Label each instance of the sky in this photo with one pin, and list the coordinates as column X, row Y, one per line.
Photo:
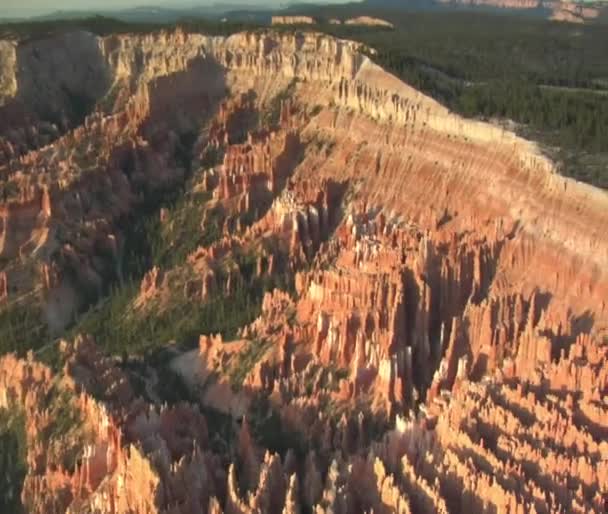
column 36, row 7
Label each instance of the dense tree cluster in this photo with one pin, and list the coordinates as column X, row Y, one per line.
column 573, row 120
column 22, row 328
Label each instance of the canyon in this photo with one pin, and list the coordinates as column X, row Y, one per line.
column 431, row 326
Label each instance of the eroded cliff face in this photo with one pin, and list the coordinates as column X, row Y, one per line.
column 559, row 10
column 8, row 82
column 443, row 347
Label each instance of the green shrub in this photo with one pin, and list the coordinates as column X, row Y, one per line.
column 21, row 328
column 246, row 360
column 13, row 466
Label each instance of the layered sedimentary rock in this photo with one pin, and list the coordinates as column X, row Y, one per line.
column 572, row 12
column 292, row 20
column 369, row 21
column 443, row 347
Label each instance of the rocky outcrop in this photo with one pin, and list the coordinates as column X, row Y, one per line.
column 292, row 20
column 555, row 10
column 8, row 82
column 574, row 12
column 369, row 21
column 501, row 4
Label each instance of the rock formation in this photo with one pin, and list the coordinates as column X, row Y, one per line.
column 557, row 10
column 369, row 21
column 292, row 20
column 439, row 339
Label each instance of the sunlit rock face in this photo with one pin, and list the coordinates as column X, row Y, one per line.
column 557, row 10
column 442, row 349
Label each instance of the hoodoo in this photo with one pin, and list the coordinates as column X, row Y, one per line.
column 431, row 326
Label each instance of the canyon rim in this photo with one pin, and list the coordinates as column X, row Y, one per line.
column 372, row 304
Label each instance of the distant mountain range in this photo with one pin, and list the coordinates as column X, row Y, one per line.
column 143, row 13
column 156, row 13
column 573, row 11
